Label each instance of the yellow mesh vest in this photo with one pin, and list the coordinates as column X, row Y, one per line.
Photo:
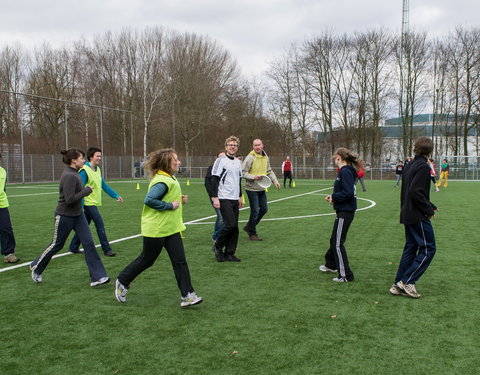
column 3, row 195
column 163, row 223
column 95, row 181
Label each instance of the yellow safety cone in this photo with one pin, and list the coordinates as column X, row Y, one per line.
column 293, row 184
column 138, row 186
column 266, row 190
column 188, row 182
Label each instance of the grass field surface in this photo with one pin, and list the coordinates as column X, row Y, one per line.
column 273, row 313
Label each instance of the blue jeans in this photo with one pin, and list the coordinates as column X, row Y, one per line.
column 92, row 213
column 258, row 209
column 7, row 239
column 218, row 224
column 418, row 252
column 63, row 226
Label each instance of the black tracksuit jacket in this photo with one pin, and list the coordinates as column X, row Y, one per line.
column 415, row 205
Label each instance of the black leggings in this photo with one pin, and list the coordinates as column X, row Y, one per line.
column 151, row 250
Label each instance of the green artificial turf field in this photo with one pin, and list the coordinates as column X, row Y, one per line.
column 273, row 313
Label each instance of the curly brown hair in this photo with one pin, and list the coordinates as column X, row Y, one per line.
column 160, row 160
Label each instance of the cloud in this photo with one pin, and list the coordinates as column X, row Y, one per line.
column 254, row 31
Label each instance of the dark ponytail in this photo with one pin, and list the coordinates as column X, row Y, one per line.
column 71, row 154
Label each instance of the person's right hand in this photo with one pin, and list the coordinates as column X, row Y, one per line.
column 175, row 204
column 216, row 202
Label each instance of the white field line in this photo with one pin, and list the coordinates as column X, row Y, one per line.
column 197, row 221
column 29, row 195
column 35, row 187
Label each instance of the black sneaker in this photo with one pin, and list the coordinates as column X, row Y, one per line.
column 110, row 253
column 219, row 255
column 232, row 258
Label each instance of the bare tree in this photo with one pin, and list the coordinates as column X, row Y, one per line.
column 412, row 59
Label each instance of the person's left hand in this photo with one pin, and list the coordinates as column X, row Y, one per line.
column 184, row 199
column 277, row 184
column 120, row 199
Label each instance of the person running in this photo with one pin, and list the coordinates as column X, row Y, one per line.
column 7, row 238
column 416, row 210
column 227, row 196
column 398, row 171
column 217, row 229
column 344, row 201
column 255, row 166
column 91, row 175
column 287, row 172
column 69, row 216
column 161, row 226
column 444, row 174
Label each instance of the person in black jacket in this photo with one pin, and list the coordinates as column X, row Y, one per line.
column 217, row 229
column 416, row 210
column 344, row 201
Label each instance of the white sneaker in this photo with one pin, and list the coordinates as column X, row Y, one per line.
column 120, row 291
column 101, row 281
column 396, row 291
column 409, row 289
column 191, row 299
column 340, row 280
column 36, row 277
column 324, row 268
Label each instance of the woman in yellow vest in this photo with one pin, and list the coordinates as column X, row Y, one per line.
column 91, row 175
column 161, row 225
column 7, row 238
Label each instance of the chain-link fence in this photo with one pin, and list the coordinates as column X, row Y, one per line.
column 41, row 168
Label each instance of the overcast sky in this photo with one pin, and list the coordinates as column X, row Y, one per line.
column 254, row 31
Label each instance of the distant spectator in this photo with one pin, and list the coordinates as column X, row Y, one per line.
column 360, row 177
column 398, row 171
column 433, row 174
column 287, row 171
column 444, row 174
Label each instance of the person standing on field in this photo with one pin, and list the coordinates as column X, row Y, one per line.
column 398, row 171
column 69, row 216
column 227, row 196
column 161, row 226
column 255, row 166
column 217, row 229
column 444, row 174
column 361, row 178
column 416, row 210
column 344, row 201
column 91, row 175
column 433, row 174
column 7, row 238
column 287, row 171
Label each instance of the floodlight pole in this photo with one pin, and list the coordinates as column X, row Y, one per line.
column 66, row 126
